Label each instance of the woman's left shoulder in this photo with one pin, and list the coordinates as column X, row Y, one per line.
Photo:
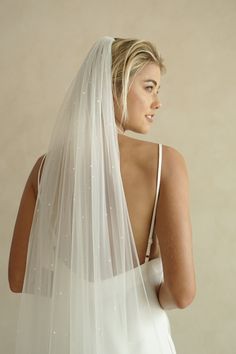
column 37, row 172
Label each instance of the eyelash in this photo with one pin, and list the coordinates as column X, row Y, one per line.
column 151, row 88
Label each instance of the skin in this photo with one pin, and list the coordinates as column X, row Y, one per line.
column 142, row 100
column 173, row 224
column 138, row 163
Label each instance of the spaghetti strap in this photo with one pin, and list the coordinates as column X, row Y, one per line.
column 150, row 238
column 39, row 171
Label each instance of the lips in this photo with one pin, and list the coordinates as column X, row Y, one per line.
column 149, row 117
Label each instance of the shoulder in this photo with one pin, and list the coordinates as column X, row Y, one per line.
column 174, row 185
column 35, row 172
column 173, row 163
column 142, row 149
column 148, row 152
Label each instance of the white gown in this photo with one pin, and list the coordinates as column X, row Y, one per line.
column 142, row 340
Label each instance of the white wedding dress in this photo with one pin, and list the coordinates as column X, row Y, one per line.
column 142, row 340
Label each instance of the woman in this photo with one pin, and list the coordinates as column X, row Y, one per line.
column 102, row 245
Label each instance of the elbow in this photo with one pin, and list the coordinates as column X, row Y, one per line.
column 184, row 301
column 182, row 290
column 15, row 283
column 15, row 289
column 176, row 296
column 185, row 298
column 15, row 286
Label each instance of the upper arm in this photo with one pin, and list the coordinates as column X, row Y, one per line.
column 173, row 226
column 19, row 245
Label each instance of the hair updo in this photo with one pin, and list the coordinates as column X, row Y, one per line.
column 129, row 56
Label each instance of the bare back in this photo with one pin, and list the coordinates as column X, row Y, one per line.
column 139, row 166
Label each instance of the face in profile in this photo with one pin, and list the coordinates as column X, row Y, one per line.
column 142, row 99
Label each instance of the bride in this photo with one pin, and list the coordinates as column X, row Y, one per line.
column 102, row 244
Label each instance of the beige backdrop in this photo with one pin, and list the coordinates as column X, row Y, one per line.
column 42, row 45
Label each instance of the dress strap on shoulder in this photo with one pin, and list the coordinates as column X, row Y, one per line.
column 40, row 168
column 150, row 238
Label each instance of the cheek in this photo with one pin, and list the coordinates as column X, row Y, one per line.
column 135, row 101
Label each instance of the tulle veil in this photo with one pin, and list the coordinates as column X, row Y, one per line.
column 83, row 282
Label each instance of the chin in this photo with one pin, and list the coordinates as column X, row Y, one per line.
column 139, row 129
column 142, row 130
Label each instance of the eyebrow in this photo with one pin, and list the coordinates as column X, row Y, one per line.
column 153, row 81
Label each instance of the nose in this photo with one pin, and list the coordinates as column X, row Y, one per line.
column 156, row 103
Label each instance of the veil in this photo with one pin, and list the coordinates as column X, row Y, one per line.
column 83, row 288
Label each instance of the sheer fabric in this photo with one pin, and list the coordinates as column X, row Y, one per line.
column 84, row 289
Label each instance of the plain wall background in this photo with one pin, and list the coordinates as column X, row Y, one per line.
column 42, row 45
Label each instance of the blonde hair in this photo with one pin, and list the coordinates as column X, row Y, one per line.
column 129, row 56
